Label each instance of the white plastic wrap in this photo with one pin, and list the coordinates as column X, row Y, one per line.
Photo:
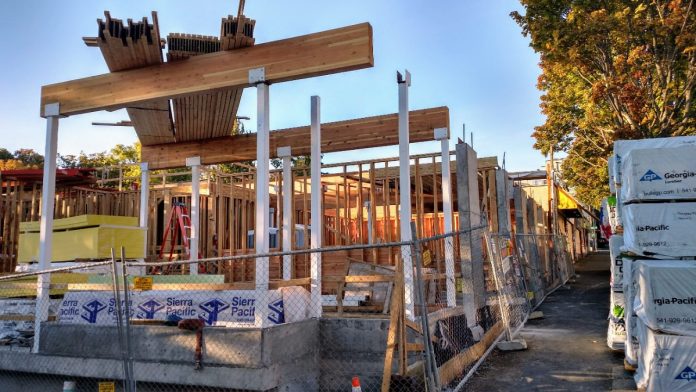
column 666, row 295
column 666, row 229
column 612, row 172
column 622, row 147
column 667, row 363
column 616, row 333
column 659, row 174
column 615, row 244
column 632, row 346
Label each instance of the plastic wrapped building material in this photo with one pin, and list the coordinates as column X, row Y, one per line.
column 616, row 333
column 666, row 229
column 666, row 295
column 622, row 148
column 667, row 362
column 612, row 172
column 632, row 345
column 615, row 244
column 659, row 174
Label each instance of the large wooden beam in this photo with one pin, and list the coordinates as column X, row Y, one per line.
column 347, row 135
column 332, row 51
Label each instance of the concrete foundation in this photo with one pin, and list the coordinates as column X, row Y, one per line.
column 280, row 358
column 309, row 355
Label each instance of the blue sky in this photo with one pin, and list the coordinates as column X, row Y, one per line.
column 465, row 54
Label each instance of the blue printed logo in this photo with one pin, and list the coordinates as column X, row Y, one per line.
column 650, row 176
column 213, row 308
column 687, row 374
column 276, row 314
column 92, row 309
column 149, row 309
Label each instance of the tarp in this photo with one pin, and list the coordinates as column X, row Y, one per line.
column 667, row 362
column 667, row 229
column 659, row 174
column 616, row 279
column 622, row 147
column 666, row 295
column 231, row 308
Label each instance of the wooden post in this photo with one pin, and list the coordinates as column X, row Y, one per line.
column 441, row 134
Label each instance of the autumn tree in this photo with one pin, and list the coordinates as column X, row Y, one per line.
column 611, row 69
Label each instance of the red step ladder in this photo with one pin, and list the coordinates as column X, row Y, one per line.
column 180, row 225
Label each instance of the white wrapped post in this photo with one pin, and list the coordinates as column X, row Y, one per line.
column 195, row 164
column 48, row 193
column 404, row 83
column 317, row 221
column 285, row 153
column 144, row 200
column 441, row 135
column 258, row 78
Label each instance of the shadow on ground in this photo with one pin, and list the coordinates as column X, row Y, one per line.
column 567, row 348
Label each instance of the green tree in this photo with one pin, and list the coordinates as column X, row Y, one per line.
column 611, row 69
column 29, row 157
column 5, row 154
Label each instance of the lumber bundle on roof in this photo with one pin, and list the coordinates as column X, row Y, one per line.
column 134, row 45
column 339, row 50
column 211, row 114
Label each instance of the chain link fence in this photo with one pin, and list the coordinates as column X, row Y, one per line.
column 406, row 324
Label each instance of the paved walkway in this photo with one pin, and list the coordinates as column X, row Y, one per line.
column 567, row 348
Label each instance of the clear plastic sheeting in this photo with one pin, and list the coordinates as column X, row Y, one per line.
column 666, row 295
column 666, row 229
column 659, row 174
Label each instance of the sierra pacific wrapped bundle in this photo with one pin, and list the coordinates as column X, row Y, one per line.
column 623, row 147
column 665, row 229
column 615, row 244
column 666, row 295
column 659, row 174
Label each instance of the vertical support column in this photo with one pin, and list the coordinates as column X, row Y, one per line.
column 370, row 222
column 257, row 77
column 317, row 220
column 470, row 243
column 48, row 193
column 195, row 164
column 441, row 135
column 285, row 153
column 503, row 197
column 144, row 201
column 404, row 83
column 519, row 210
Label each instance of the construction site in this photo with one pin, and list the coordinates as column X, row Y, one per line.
column 232, row 260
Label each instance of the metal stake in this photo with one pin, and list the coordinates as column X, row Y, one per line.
column 432, row 374
column 119, row 320
column 129, row 348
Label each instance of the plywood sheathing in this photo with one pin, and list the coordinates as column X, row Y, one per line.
column 135, row 45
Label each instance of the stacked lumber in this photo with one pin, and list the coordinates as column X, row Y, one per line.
column 209, row 115
column 134, row 45
column 235, row 34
